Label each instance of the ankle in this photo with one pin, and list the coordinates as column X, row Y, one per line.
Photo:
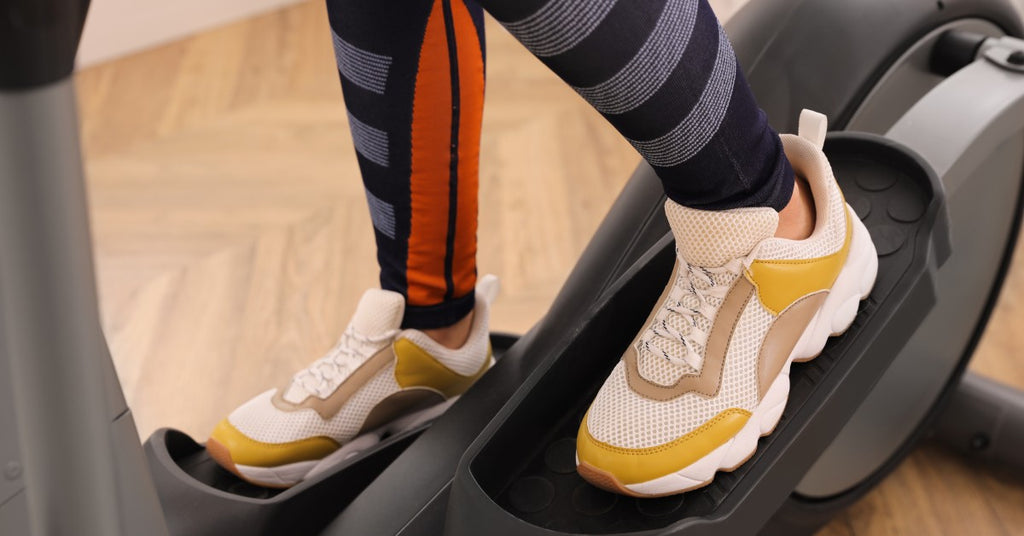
column 796, row 220
column 453, row 336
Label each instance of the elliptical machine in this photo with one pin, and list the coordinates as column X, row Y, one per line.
column 939, row 80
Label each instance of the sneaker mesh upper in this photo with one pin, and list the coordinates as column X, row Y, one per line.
column 259, row 419
column 705, row 239
column 466, row 360
column 379, row 314
column 654, row 367
column 378, row 311
column 374, row 326
column 623, row 418
column 711, row 239
column 830, row 229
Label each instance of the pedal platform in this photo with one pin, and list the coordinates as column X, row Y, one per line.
column 200, row 498
column 519, row 476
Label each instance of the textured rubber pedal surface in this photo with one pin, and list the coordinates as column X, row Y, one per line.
column 525, row 469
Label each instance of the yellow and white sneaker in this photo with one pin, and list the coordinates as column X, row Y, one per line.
column 378, row 380
column 709, row 372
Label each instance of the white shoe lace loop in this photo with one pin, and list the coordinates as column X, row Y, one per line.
column 327, row 373
column 694, row 299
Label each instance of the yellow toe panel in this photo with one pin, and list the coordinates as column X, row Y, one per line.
column 632, row 466
column 247, row 451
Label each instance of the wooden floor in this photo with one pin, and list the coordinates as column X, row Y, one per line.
column 233, row 239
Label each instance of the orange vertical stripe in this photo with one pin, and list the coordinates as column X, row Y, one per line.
column 471, row 93
column 431, row 161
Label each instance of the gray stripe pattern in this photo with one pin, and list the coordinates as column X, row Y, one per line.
column 364, row 69
column 383, row 215
column 559, row 25
column 370, row 142
column 645, row 73
column 701, row 124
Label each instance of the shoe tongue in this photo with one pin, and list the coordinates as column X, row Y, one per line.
column 713, row 238
column 378, row 312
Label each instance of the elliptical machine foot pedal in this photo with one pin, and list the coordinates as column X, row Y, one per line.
column 200, row 498
column 519, row 477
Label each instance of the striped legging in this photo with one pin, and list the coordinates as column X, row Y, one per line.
column 661, row 72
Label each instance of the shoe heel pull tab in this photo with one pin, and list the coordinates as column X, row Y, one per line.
column 813, row 127
column 488, row 287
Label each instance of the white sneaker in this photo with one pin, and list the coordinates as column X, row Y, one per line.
column 378, row 380
column 709, row 372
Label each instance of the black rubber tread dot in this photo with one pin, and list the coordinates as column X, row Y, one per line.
column 860, row 205
column 875, row 182
column 591, row 501
column 906, row 209
column 659, row 506
column 560, row 456
column 531, row 494
column 888, row 239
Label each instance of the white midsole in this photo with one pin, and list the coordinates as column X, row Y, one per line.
column 836, row 314
column 293, row 473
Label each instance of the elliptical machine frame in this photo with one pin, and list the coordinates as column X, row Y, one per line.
column 52, row 341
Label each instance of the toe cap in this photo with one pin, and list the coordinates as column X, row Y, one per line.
column 626, row 466
column 230, row 447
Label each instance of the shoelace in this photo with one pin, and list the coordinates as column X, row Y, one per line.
column 325, row 374
column 702, row 292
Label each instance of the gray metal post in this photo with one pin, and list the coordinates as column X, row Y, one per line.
column 13, row 506
column 76, row 445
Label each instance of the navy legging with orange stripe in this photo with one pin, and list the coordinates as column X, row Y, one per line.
column 412, row 73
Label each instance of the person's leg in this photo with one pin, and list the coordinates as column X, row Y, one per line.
column 412, row 75
column 765, row 272
column 665, row 76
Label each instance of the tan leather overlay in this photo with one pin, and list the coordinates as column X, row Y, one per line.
column 782, row 337
column 400, row 404
column 709, row 380
column 328, row 407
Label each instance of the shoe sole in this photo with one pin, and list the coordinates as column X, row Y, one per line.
column 287, row 475
column 853, row 284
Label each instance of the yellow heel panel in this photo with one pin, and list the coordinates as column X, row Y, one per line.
column 780, row 283
column 414, row 367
